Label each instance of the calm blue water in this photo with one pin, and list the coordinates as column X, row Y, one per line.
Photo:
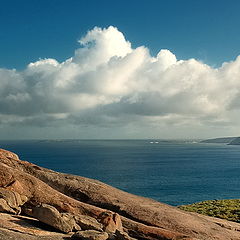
column 174, row 172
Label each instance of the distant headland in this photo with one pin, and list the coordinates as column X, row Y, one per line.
column 226, row 140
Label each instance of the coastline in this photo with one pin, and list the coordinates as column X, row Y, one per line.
column 129, row 215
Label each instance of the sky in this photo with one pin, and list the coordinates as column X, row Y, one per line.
column 119, row 69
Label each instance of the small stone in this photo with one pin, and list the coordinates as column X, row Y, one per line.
column 111, row 222
column 90, row 235
column 88, row 223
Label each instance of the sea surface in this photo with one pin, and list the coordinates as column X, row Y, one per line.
column 173, row 172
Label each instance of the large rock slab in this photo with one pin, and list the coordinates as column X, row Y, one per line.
column 26, row 228
column 64, row 222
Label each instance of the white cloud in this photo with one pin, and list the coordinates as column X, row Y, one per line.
column 109, row 83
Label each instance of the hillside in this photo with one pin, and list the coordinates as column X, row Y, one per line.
column 219, row 140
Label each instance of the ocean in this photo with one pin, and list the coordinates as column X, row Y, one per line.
column 173, row 172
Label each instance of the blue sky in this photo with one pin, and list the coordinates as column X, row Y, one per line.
column 33, row 29
column 119, row 69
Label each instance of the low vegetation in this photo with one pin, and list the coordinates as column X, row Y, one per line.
column 225, row 209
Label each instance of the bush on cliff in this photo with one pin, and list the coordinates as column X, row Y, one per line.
column 225, row 209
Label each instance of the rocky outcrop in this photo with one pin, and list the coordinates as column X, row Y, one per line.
column 235, row 141
column 11, row 201
column 226, row 140
column 9, row 155
column 70, row 203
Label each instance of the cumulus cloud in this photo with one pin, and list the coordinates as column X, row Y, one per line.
column 107, row 82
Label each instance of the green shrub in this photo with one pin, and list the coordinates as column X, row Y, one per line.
column 225, row 209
